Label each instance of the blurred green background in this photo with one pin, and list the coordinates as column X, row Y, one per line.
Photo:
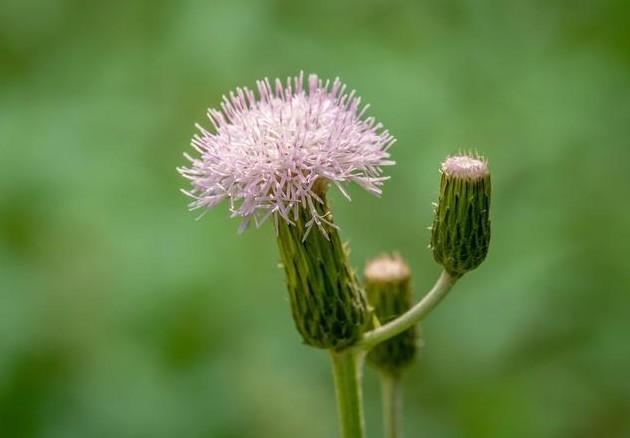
column 122, row 316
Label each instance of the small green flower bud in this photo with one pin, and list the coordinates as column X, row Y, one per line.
column 388, row 287
column 329, row 307
column 461, row 223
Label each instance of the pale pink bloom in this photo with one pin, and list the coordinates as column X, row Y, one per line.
column 266, row 153
column 465, row 166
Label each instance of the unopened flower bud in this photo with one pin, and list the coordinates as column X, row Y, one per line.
column 328, row 305
column 461, row 223
column 388, row 288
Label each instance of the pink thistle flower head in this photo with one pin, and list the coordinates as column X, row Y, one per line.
column 276, row 153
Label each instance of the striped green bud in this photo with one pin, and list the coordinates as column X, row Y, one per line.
column 329, row 307
column 388, row 287
column 460, row 234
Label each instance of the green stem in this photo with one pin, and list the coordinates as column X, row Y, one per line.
column 409, row 318
column 392, row 404
column 347, row 370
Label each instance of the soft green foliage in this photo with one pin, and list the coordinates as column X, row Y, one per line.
column 121, row 316
column 390, row 299
column 328, row 305
column 460, row 234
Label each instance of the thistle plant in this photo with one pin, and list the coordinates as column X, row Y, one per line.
column 275, row 154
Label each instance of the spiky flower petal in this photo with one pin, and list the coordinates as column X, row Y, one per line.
column 267, row 153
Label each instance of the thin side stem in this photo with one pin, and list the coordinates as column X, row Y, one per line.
column 413, row 316
column 392, row 405
column 347, row 370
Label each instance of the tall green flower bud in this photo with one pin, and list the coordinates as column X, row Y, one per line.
column 328, row 305
column 388, row 287
column 461, row 223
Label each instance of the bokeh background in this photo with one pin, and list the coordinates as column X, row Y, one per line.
column 122, row 316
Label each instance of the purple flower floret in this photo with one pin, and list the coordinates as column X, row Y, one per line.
column 266, row 154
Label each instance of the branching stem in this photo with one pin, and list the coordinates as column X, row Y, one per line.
column 348, row 365
column 413, row 316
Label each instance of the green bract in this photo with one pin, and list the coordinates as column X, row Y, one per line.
column 328, row 305
column 461, row 223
